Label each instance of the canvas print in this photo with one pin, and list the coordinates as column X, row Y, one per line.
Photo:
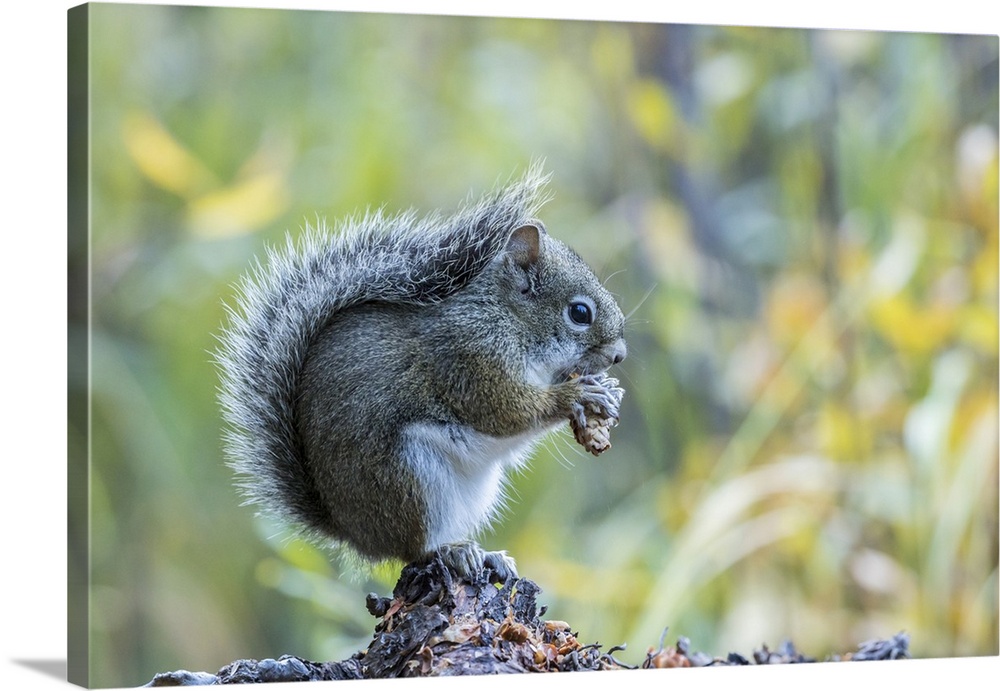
column 413, row 345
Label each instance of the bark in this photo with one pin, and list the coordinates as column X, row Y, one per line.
column 437, row 625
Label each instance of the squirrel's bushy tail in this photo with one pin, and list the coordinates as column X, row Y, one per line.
column 283, row 303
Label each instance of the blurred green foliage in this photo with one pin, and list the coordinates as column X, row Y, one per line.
column 802, row 224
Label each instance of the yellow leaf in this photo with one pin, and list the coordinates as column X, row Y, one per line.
column 652, row 112
column 240, row 207
column 841, row 434
column 911, row 328
column 162, row 159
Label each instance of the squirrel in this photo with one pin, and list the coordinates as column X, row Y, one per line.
column 379, row 383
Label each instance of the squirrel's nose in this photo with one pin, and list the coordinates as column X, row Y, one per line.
column 619, row 352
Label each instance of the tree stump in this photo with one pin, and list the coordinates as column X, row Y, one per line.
column 438, row 625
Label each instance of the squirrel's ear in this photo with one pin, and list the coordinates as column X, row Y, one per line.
column 524, row 244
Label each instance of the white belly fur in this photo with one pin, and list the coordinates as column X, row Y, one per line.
column 463, row 472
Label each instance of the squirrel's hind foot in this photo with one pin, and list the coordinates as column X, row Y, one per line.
column 468, row 560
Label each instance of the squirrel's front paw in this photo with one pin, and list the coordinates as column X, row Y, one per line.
column 469, row 560
column 596, row 411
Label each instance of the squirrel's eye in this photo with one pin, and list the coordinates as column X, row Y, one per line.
column 579, row 313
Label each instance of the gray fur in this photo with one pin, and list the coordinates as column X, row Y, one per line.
column 286, row 303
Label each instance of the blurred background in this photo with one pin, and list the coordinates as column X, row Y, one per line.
column 802, row 225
